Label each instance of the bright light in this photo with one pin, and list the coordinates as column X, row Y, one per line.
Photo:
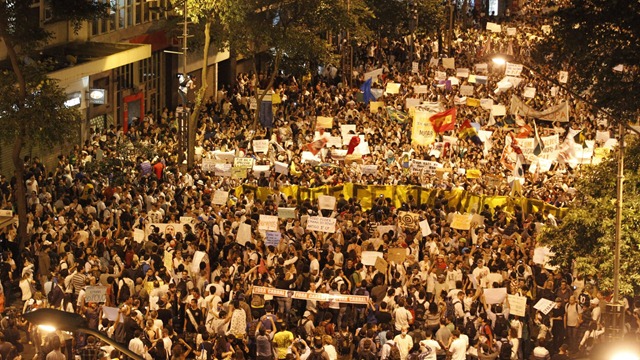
column 47, row 328
column 625, row 355
column 499, row 61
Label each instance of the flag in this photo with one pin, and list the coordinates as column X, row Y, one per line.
column 353, row 143
column 316, row 146
column 397, row 115
column 467, row 130
column 367, row 95
column 538, row 145
column 518, row 170
column 524, row 131
column 514, row 145
column 444, row 121
column 580, row 139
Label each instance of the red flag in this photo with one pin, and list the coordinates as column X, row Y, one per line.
column 524, row 131
column 316, row 146
column 353, row 143
column 444, row 121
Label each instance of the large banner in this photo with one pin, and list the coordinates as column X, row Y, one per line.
column 558, row 112
column 422, row 132
column 550, row 151
column 302, row 295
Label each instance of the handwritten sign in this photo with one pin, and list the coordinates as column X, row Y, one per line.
column 381, row 265
column 415, row 67
column 322, row 224
column 326, row 202
column 461, row 222
column 495, row 295
column 397, row 255
column 369, row 169
column 517, row 305
column 246, row 163
column 287, row 213
column 244, row 234
column 466, row 90
column 324, row 122
column 223, row 170
column 449, row 63
column 368, row 258
column 281, row 167
column 513, row 69
column 208, row 165
column 268, row 223
column 425, row 228
column 261, row 146
column 95, row 294
column 273, row 238
column 544, row 305
column 238, row 173
column 220, row 197
column 138, row 235
column 393, row 88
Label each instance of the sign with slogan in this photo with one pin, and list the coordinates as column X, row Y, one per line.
column 434, row 62
column 187, row 220
column 529, row 92
column 287, row 213
column 513, row 69
column 462, row 72
column 322, row 224
column 273, row 238
column 268, row 223
column 511, row 31
column 335, row 141
column 466, row 90
column 544, row 305
column 415, row 67
column 244, row 234
column 397, row 255
column 408, row 220
column 393, row 88
column 449, row 63
column 324, row 122
column 375, row 105
column 420, row 89
column 223, row 170
column 381, row 265
column 303, row 295
column 281, row 168
column 95, row 294
column 261, row 146
column 495, row 295
column 563, row 77
column 220, row 197
column 208, row 164
column 424, row 226
column 238, row 173
column 422, row 132
column 138, row 235
column 245, row 162
column 441, row 75
column 369, row 169
column 517, row 305
column 326, row 202
column 461, row 222
column 226, row 157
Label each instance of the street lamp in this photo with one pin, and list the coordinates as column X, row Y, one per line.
column 615, row 309
column 52, row 319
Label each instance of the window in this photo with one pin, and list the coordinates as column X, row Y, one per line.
column 149, row 75
column 127, row 13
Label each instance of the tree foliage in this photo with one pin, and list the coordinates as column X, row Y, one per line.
column 393, row 18
column 591, row 37
column 586, row 235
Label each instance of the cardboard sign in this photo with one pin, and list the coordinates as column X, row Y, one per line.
column 208, row 165
column 411, row 102
column 95, row 294
column 261, row 169
column 466, row 90
column 393, row 88
column 324, row 122
column 220, row 197
column 441, row 75
column 369, row 169
column 421, row 89
column 415, row 67
column 517, row 305
column 449, row 63
column 381, row 265
column 498, row 110
column 322, row 224
column 244, row 234
column 425, row 228
column 246, row 163
column 493, row 27
column 482, row 67
column 477, row 219
column 408, row 220
column 281, row 168
column 261, row 146
column 368, row 258
column 511, row 31
column 462, row 72
column 334, row 141
column 268, row 223
column 326, row 202
column 397, row 255
column 238, row 173
column 273, row 238
column 434, row 62
column 544, row 305
column 529, row 92
column 375, row 105
column 461, row 222
column 287, row 213
column 495, row 296
column 486, row 104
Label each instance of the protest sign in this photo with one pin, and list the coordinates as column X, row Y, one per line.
column 308, row 157
column 498, row 110
column 494, row 295
column 449, row 63
column 425, row 228
column 441, row 75
column 384, row 229
column 397, row 255
column 261, row 169
column 466, row 90
column 411, row 102
column 477, row 219
column 95, row 294
column 306, row 296
column 486, row 104
column 373, row 75
column 408, row 220
column 472, row 79
column 335, row 141
column 544, row 305
column 272, row 238
column 208, row 164
column 461, row 222
column 368, row 258
column 482, row 67
column 517, row 305
column 393, row 88
column 220, row 197
column 287, row 213
column 324, row 122
column 187, row 220
column 238, row 173
column 420, row 89
column 529, row 92
column 415, row 67
column 542, row 255
column 164, row 228
column 261, row 146
column 226, row 157
column 222, row 170
column 253, row 103
column 246, row 163
column 369, row 169
column 138, row 235
column 462, row 72
column 563, row 77
column 381, row 265
column 422, row 132
column 326, row 202
column 375, row 105
column 346, row 129
column 322, row 224
column 281, row 168
column 513, row 69
column 268, row 223
column 244, row 234
column 434, row 62
column 493, row 27
column 511, row 31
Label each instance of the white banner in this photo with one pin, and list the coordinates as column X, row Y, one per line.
column 304, row 295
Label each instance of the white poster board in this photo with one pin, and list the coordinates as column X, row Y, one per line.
column 268, row 223
column 220, row 197
column 326, row 202
column 517, row 305
column 495, row 295
column 261, row 146
column 322, row 224
column 368, row 258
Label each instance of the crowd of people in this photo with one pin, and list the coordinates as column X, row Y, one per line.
column 191, row 292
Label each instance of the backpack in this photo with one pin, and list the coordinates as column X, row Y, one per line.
column 420, row 311
column 501, row 326
column 450, row 312
column 315, row 355
column 343, row 343
column 125, row 291
column 471, row 331
column 394, row 353
column 505, row 349
column 300, row 329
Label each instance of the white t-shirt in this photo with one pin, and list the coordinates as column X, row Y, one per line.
column 458, row 349
column 430, row 346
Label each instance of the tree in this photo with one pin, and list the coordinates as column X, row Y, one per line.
column 26, row 91
column 585, row 237
column 293, row 32
column 210, row 15
column 590, row 38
